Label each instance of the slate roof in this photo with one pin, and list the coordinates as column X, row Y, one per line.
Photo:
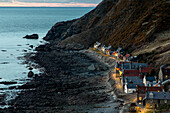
column 135, row 80
column 133, row 85
column 146, row 69
column 151, row 79
column 131, row 73
column 133, row 65
column 158, row 95
column 144, row 89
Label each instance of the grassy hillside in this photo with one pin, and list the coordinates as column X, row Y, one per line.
column 132, row 24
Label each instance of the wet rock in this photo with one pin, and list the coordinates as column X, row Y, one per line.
column 40, row 48
column 91, row 67
column 31, row 46
column 30, row 68
column 24, row 50
column 33, row 36
column 4, row 50
column 4, row 63
column 8, row 83
column 30, row 74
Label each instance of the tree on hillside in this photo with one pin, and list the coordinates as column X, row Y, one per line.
column 152, row 72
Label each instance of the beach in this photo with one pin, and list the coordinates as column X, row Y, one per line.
column 71, row 82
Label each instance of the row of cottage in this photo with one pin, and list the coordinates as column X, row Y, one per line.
column 139, row 78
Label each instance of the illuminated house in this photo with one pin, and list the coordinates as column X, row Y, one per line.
column 126, row 57
column 132, row 83
column 130, row 80
column 131, row 65
column 141, row 92
column 96, row 45
column 149, row 80
column 164, row 73
column 154, row 100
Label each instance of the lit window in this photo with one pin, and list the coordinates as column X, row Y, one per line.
column 129, row 90
column 166, row 76
column 140, row 98
column 158, row 90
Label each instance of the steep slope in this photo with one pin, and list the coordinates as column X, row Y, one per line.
column 127, row 23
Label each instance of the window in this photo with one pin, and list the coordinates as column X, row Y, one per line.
column 165, row 101
column 151, row 101
column 166, row 76
column 140, row 98
column 142, row 91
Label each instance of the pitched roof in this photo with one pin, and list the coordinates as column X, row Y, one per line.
column 131, row 65
column 144, row 89
column 150, row 78
column 146, row 69
column 158, row 95
column 127, row 55
column 133, row 85
column 134, row 80
column 131, row 73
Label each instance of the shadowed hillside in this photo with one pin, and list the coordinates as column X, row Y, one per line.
column 132, row 24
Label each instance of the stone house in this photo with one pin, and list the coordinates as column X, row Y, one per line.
column 154, row 100
column 141, row 92
column 131, row 84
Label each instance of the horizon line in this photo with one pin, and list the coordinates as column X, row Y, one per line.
column 44, row 7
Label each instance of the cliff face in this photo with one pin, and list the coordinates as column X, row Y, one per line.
column 130, row 24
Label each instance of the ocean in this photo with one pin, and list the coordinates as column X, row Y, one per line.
column 15, row 23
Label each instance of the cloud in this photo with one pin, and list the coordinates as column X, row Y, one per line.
column 54, row 1
column 45, row 3
column 49, row 3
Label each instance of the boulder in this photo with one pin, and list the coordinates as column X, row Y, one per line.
column 40, row 48
column 31, row 46
column 33, row 36
column 91, row 67
column 30, row 74
column 43, row 48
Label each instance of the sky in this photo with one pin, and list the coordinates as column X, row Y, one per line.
column 49, row 3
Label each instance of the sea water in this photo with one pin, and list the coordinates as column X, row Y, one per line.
column 15, row 23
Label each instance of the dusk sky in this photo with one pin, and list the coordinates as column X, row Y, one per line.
column 49, row 3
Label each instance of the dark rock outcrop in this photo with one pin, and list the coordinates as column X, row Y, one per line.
column 33, row 36
column 30, row 74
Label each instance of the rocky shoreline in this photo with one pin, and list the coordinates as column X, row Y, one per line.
column 71, row 82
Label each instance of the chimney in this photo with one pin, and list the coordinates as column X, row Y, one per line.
column 151, row 95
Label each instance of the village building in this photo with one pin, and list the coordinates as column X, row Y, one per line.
column 126, row 57
column 96, row 45
column 131, row 83
column 164, row 73
column 154, row 100
column 145, row 70
column 149, row 80
column 141, row 92
column 130, row 65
